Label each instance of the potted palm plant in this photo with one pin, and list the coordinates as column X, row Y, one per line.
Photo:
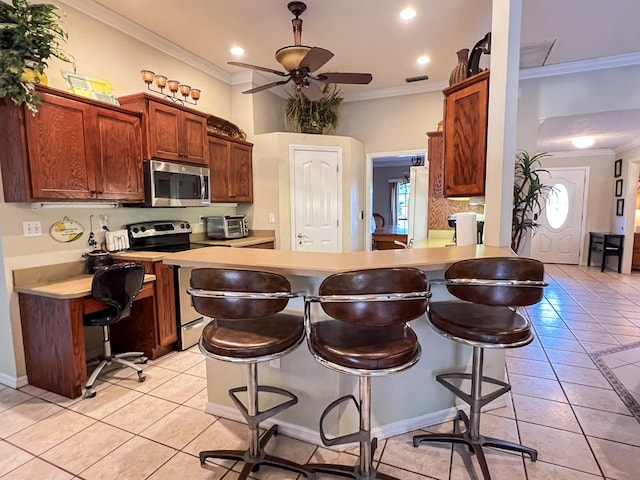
column 529, row 196
column 319, row 116
column 30, row 34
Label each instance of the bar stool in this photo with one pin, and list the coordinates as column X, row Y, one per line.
column 247, row 327
column 367, row 336
column 490, row 289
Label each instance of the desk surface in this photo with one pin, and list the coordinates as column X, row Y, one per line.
column 75, row 287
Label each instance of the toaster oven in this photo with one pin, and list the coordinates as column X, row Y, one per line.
column 226, row 227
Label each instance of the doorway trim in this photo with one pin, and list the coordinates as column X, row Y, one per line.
column 368, row 211
column 630, row 197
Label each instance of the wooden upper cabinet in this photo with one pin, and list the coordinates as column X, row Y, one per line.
column 72, row 149
column 171, row 132
column 231, row 170
column 120, row 156
column 465, row 136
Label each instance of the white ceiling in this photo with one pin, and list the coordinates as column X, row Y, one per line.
column 369, row 36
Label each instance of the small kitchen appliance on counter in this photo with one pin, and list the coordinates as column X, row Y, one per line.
column 226, row 227
column 172, row 236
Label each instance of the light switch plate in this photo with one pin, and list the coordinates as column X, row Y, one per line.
column 32, row 229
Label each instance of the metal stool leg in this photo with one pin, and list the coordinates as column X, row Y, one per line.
column 255, row 456
column 471, row 436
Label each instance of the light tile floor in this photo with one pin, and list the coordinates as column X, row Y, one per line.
column 560, row 403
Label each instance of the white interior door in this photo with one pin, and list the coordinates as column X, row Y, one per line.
column 418, row 203
column 315, row 199
column 559, row 238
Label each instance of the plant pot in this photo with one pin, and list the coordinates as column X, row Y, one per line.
column 311, row 128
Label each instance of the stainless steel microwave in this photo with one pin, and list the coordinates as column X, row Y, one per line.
column 169, row 184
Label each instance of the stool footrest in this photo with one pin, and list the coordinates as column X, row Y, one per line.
column 254, row 420
column 349, row 438
column 481, row 402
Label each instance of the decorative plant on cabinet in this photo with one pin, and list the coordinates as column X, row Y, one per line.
column 30, row 35
column 319, row 116
column 529, row 196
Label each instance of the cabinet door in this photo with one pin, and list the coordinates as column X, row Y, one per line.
column 119, row 156
column 219, row 166
column 164, row 131
column 193, row 140
column 240, row 173
column 465, row 142
column 59, row 157
column 166, row 326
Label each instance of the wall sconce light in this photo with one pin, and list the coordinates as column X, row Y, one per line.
column 174, row 86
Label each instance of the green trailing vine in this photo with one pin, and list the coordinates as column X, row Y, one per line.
column 319, row 116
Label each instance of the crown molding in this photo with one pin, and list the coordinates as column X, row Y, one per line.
column 601, row 63
column 628, row 146
column 395, row 91
column 111, row 18
column 582, row 153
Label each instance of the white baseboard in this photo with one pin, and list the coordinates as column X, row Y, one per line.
column 13, row 382
column 381, row 432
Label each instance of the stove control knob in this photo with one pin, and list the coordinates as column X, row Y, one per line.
column 182, row 226
column 186, row 225
column 143, row 229
column 135, row 229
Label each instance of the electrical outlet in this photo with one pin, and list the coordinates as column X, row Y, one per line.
column 275, row 363
column 272, row 217
column 32, row 229
column 201, row 219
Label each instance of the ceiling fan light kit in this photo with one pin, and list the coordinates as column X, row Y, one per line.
column 301, row 61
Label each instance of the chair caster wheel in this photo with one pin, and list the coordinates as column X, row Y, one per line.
column 141, row 377
column 143, row 360
column 89, row 393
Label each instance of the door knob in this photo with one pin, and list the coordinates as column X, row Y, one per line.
column 301, row 235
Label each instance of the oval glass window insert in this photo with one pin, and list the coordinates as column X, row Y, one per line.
column 557, row 209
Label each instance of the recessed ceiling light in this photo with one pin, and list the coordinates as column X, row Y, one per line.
column 408, row 13
column 583, row 142
column 423, row 60
column 237, row 51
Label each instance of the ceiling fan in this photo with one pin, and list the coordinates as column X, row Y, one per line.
column 301, row 61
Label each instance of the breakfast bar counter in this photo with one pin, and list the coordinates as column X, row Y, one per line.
column 402, row 402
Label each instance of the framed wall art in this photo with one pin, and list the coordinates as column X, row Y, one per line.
column 620, row 207
column 619, row 187
column 617, row 168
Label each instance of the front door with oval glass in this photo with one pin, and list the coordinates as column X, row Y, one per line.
column 559, row 238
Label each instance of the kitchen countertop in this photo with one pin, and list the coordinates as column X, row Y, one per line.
column 312, row 264
column 74, row 287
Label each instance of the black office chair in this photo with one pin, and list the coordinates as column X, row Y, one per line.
column 367, row 336
column 248, row 327
column 117, row 286
column 490, row 288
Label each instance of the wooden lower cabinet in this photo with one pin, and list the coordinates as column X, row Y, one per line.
column 157, row 332
column 635, row 262
column 265, row 245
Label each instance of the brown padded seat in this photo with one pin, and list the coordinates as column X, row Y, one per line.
column 367, row 348
column 247, row 338
column 484, row 324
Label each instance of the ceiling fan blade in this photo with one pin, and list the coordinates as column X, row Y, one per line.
column 256, row 67
column 315, row 58
column 312, row 91
column 267, row 86
column 340, row 77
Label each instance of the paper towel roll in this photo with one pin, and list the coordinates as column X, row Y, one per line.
column 466, row 229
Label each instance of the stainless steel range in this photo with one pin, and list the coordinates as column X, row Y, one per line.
column 172, row 236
